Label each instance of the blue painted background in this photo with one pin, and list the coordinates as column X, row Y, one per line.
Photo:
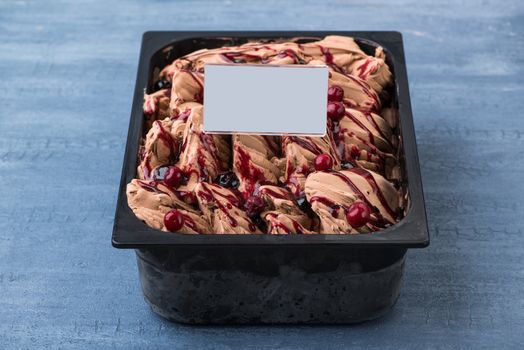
column 67, row 70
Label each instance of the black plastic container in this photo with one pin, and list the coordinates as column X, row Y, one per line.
column 270, row 278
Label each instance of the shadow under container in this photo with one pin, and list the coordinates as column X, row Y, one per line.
column 218, row 279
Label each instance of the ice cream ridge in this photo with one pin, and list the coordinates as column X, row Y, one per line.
column 346, row 182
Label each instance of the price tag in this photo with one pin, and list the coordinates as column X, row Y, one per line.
column 265, row 99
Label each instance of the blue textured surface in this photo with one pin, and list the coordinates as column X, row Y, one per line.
column 67, row 71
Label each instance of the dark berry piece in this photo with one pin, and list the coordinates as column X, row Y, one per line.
column 174, row 176
column 358, row 214
column 335, row 110
column 323, row 162
column 335, row 94
column 228, row 180
column 159, row 173
column 161, row 84
column 174, row 220
column 303, row 204
column 261, row 224
column 347, row 165
column 254, row 206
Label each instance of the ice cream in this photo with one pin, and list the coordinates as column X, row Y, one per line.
column 332, row 193
column 202, row 156
column 156, row 105
column 342, row 183
column 282, row 213
column 222, row 207
column 252, row 164
column 151, row 201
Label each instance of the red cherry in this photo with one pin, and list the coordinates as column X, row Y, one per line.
column 358, row 214
column 323, row 162
column 335, row 110
column 335, row 93
column 173, row 220
column 173, row 176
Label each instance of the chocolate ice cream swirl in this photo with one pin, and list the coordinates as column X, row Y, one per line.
column 180, row 115
column 163, row 140
column 279, row 199
column 299, row 153
column 279, row 223
column 342, row 54
column 151, row 200
column 374, row 71
column 186, row 86
column 331, row 194
column 222, row 207
column 365, row 139
column 161, row 147
column 282, row 214
column 202, row 156
column 252, row 164
column 357, row 93
column 156, row 105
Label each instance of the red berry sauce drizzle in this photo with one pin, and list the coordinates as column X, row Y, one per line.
column 231, row 200
column 182, row 116
column 364, row 70
column 297, row 228
column 150, row 187
column 250, row 175
column 190, row 223
column 338, row 136
column 284, row 194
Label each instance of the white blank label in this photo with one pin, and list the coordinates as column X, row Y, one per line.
column 265, row 99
